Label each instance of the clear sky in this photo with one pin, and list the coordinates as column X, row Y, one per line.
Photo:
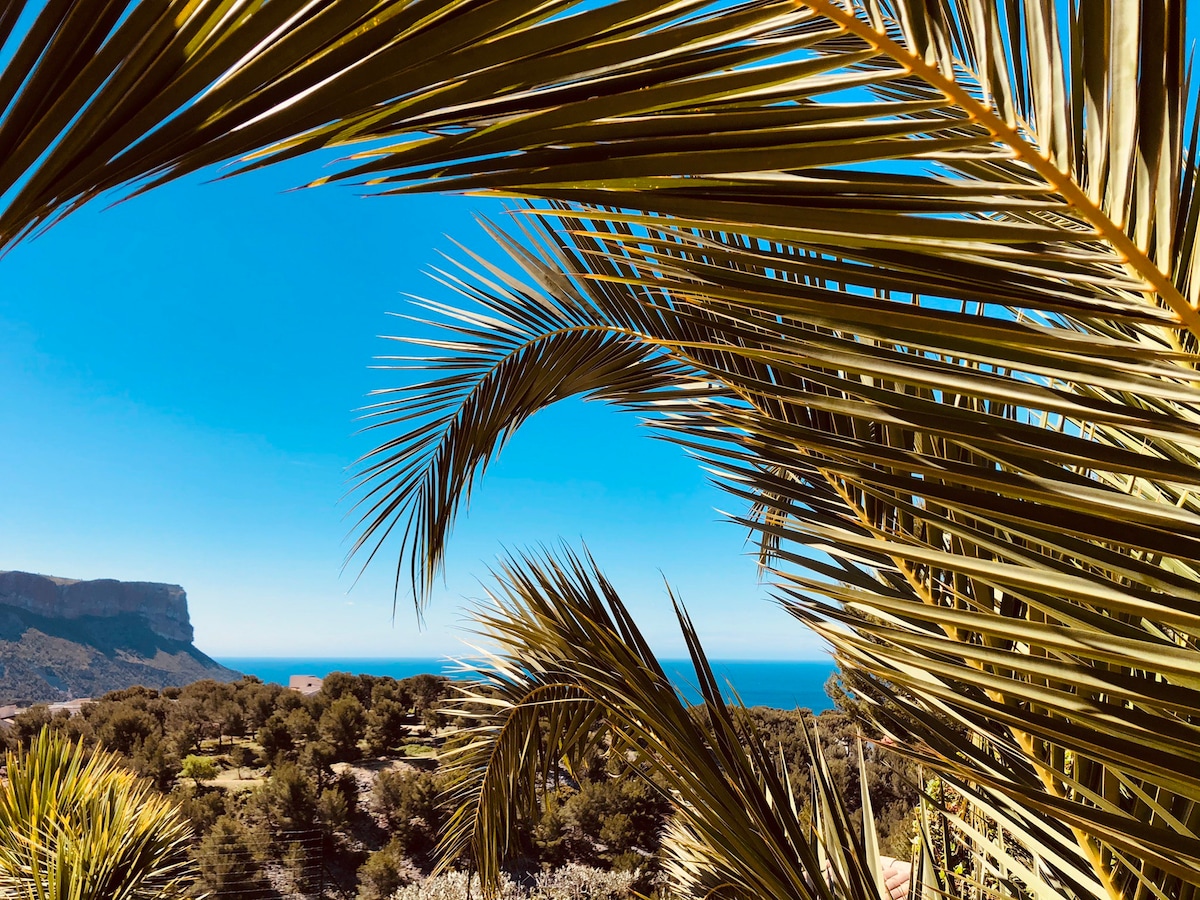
column 178, row 376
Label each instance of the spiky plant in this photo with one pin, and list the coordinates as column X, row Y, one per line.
column 570, row 673
column 77, row 825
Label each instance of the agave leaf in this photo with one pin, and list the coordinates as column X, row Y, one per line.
column 79, row 826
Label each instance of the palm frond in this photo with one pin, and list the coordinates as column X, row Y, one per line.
column 97, row 95
column 977, row 483
column 525, row 345
column 572, row 671
column 1013, row 146
column 993, row 143
column 962, row 471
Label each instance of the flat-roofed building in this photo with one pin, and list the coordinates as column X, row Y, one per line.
column 304, row 684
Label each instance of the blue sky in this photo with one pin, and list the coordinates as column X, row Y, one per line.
column 179, row 377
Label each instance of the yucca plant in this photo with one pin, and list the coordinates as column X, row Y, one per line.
column 76, row 825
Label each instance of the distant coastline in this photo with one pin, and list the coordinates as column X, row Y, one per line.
column 781, row 684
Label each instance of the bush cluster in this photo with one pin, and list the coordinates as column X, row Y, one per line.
column 288, row 792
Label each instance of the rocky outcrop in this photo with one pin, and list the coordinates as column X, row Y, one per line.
column 163, row 606
column 62, row 639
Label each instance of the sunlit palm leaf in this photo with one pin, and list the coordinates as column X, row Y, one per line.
column 923, row 467
column 952, row 493
column 1034, row 164
column 962, row 367
column 1019, row 180
column 530, row 344
column 102, row 94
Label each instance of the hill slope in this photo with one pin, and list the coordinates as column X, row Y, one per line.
column 61, row 639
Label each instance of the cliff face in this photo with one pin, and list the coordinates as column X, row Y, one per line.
column 162, row 606
column 62, row 639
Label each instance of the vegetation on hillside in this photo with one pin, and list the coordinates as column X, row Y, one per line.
column 345, row 788
column 47, row 659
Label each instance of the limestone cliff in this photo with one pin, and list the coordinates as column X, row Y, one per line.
column 163, row 606
column 61, row 638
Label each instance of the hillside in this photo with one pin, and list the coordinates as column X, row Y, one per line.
column 61, row 639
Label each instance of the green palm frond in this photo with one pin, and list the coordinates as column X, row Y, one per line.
column 1021, row 156
column 572, row 672
column 78, row 826
column 529, row 344
column 97, row 95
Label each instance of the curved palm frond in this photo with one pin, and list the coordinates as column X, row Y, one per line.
column 78, row 826
column 942, row 272
column 909, row 442
column 103, row 94
column 95, row 94
column 524, row 345
column 572, row 672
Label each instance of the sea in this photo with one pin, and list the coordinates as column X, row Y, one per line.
column 774, row 683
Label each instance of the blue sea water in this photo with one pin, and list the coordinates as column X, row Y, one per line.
column 779, row 684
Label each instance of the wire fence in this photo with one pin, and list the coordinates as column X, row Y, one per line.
column 286, row 865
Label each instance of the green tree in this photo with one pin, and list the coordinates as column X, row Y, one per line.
column 391, row 689
column 28, row 724
column 337, row 685
column 77, row 826
column 242, row 756
column 384, row 871
column 233, row 720
column 288, row 799
column 410, row 803
column 619, row 815
column 229, row 862
column 386, row 726
column 342, row 726
column 301, row 726
column 201, row 807
column 199, row 768
column 302, row 866
column 426, row 691
column 156, row 760
column 258, row 700
column 123, row 725
column 275, row 738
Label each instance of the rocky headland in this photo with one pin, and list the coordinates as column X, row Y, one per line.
column 61, row 638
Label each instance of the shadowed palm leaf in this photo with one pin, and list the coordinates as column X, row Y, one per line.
column 572, row 672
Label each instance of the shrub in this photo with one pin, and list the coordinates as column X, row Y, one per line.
column 229, row 862
column 408, row 801
column 570, row 882
column 384, row 872
column 198, row 768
